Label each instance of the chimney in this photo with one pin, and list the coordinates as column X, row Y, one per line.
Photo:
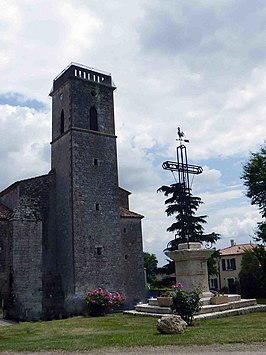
column 233, row 242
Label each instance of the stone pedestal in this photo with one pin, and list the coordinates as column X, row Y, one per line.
column 191, row 266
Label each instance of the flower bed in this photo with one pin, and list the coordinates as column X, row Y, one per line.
column 99, row 302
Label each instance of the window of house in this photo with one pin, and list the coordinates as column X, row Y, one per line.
column 62, row 122
column 95, row 161
column 97, row 206
column 93, row 119
column 229, row 264
column 231, row 285
column 214, row 284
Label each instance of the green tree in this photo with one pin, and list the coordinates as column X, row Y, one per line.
column 254, row 176
column 250, row 275
column 184, row 205
column 213, row 263
column 260, row 233
column 150, row 264
column 259, row 252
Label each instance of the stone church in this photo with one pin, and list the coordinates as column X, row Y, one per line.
column 71, row 231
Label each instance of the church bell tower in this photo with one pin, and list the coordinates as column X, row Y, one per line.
column 84, row 159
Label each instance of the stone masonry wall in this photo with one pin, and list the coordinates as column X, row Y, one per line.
column 5, row 258
column 123, row 198
column 61, row 162
column 27, row 269
column 32, row 226
column 84, row 95
column 133, row 263
column 96, row 225
column 97, row 239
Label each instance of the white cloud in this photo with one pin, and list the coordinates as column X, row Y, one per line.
column 218, row 197
column 24, row 138
column 209, row 179
column 236, row 222
column 81, row 29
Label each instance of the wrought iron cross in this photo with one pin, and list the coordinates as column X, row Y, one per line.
column 183, row 169
column 181, row 165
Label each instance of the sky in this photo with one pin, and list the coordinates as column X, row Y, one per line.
column 195, row 64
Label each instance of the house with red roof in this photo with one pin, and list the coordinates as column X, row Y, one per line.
column 229, row 267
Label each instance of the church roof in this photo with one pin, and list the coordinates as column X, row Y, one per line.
column 128, row 192
column 124, row 213
column 17, row 183
column 5, row 212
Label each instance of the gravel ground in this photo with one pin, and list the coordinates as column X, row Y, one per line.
column 239, row 349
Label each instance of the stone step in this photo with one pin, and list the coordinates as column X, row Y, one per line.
column 145, row 314
column 232, row 312
column 205, row 300
column 232, row 298
column 147, row 308
column 235, row 302
column 152, row 302
column 226, row 313
column 227, row 306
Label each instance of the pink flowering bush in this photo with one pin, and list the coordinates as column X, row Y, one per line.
column 99, row 301
column 185, row 303
column 178, row 285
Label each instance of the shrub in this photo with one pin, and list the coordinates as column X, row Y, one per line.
column 167, row 294
column 99, row 301
column 185, row 303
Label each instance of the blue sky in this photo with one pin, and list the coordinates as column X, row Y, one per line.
column 197, row 64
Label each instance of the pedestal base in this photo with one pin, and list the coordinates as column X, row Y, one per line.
column 191, row 267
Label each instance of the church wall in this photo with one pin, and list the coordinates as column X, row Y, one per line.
column 61, row 101
column 26, row 303
column 123, row 198
column 40, row 192
column 97, row 244
column 31, row 198
column 10, row 197
column 61, row 162
column 97, row 239
column 84, row 95
column 133, row 260
column 5, row 258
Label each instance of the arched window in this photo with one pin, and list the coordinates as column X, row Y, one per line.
column 93, row 119
column 62, row 122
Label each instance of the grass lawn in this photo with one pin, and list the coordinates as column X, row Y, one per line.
column 119, row 330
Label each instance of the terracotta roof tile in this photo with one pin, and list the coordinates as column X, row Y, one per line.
column 236, row 249
column 124, row 213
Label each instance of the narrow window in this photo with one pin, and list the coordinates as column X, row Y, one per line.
column 93, row 119
column 233, row 264
column 95, row 161
column 99, row 250
column 126, row 257
column 62, row 122
column 223, row 265
column 97, row 206
column 125, row 230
